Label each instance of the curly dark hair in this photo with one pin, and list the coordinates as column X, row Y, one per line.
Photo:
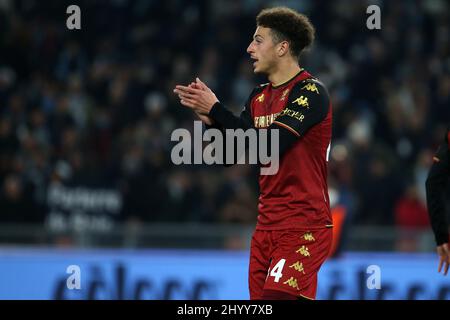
column 288, row 25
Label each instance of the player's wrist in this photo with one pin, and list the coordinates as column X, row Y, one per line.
column 218, row 113
column 214, row 109
column 442, row 238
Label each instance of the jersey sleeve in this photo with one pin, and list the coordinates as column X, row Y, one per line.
column 308, row 105
column 225, row 119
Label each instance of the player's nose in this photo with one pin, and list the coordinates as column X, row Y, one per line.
column 250, row 48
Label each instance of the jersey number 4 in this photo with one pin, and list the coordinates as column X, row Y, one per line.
column 276, row 270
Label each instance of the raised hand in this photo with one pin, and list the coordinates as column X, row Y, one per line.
column 444, row 258
column 196, row 96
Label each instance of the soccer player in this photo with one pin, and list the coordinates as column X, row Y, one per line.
column 436, row 184
column 293, row 234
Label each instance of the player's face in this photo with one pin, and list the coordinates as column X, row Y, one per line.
column 262, row 51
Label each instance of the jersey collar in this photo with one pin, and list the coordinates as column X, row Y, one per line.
column 286, row 82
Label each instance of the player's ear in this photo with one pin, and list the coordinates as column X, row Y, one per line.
column 283, row 48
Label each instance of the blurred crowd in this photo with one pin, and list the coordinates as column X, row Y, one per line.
column 95, row 108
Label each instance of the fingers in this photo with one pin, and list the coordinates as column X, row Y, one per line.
column 444, row 258
column 193, row 87
column 201, row 84
column 196, row 85
column 187, row 89
column 195, row 95
column 187, row 98
column 188, row 103
column 441, row 262
column 200, row 81
column 185, row 95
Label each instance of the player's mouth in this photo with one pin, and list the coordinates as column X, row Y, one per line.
column 254, row 61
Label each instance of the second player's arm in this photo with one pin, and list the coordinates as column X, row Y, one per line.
column 435, row 188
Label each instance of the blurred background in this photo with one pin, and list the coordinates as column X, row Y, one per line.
column 86, row 118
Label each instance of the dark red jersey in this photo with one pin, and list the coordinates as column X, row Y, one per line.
column 296, row 197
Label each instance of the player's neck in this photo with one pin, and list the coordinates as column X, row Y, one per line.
column 283, row 73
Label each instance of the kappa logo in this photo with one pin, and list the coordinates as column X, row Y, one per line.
column 302, row 101
column 303, row 250
column 292, row 282
column 308, row 236
column 285, row 93
column 298, row 266
column 311, row 87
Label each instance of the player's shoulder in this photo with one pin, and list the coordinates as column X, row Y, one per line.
column 260, row 87
column 310, row 91
column 311, row 85
column 257, row 90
